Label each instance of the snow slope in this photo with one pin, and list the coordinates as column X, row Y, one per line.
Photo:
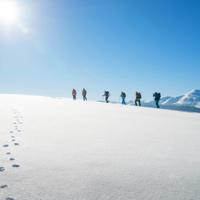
column 95, row 151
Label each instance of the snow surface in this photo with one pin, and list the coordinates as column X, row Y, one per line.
column 94, row 151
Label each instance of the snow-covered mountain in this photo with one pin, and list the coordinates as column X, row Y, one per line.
column 169, row 100
column 190, row 99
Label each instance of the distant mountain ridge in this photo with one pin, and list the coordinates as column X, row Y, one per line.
column 187, row 102
column 191, row 98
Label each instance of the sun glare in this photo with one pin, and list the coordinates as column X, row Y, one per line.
column 9, row 12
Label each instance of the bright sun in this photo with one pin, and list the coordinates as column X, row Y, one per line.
column 9, row 12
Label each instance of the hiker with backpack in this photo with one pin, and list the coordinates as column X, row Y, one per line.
column 74, row 93
column 157, row 97
column 138, row 97
column 84, row 94
column 123, row 96
column 106, row 95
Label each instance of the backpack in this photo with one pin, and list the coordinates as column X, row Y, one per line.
column 138, row 95
column 73, row 92
column 157, row 95
column 84, row 92
column 123, row 95
column 107, row 93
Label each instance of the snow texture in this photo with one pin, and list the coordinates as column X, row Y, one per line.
column 94, row 151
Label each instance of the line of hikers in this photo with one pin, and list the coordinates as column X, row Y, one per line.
column 106, row 95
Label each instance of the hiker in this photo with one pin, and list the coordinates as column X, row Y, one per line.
column 74, row 93
column 84, row 94
column 157, row 97
column 138, row 97
column 123, row 96
column 106, row 95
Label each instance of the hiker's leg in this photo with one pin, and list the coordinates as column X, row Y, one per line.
column 136, row 102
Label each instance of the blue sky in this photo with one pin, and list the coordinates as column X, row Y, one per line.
column 145, row 45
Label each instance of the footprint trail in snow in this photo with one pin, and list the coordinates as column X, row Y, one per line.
column 14, row 134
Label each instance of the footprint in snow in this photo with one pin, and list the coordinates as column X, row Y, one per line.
column 11, row 131
column 16, row 144
column 8, row 153
column 3, row 186
column 9, row 198
column 12, row 159
column 13, row 140
column 15, row 166
column 5, row 145
column 2, row 169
